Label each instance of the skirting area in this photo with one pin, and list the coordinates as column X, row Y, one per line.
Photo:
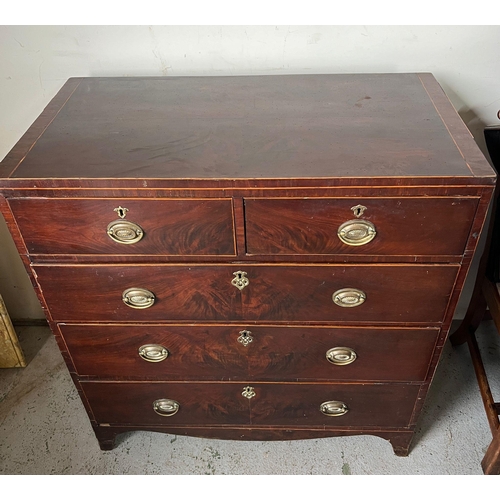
column 44, row 429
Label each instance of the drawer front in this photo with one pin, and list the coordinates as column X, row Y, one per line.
column 243, row 352
column 95, row 293
column 374, row 293
column 133, row 403
column 94, row 226
column 389, row 226
column 398, row 293
column 381, row 405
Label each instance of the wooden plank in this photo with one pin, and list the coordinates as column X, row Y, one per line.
column 11, row 355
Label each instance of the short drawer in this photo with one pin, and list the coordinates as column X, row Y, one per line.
column 247, row 352
column 126, row 226
column 367, row 226
column 248, row 403
column 280, row 293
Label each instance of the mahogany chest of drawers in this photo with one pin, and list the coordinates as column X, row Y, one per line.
column 264, row 257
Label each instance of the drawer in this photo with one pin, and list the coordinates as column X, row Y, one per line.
column 94, row 226
column 243, row 352
column 132, row 403
column 387, row 226
column 279, row 293
column 359, row 405
column 267, row 404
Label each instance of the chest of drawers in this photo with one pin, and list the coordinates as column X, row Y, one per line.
column 265, row 257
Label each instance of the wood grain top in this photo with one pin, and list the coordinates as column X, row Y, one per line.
column 248, row 127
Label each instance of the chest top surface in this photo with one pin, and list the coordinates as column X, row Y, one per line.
column 248, row 127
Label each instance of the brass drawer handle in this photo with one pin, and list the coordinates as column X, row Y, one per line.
column 356, row 232
column 154, row 353
column 166, row 407
column 341, row 356
column 125, row 232
column 349, row 297
column 333, row 408
column 138, row 298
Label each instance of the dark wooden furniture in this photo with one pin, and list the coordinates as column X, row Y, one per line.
column 486, row 295
column 264, row 257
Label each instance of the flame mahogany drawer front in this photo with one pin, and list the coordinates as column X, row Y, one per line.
column 399, row 226
column 308, row 293
column 261, row 257
column 302, row 405
column 163, row 227
column 243, row 352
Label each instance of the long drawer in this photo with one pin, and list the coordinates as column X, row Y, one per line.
column 242, row 352
column 126, row 226
column 367, row 226
column 280, row 293
column 309, row 405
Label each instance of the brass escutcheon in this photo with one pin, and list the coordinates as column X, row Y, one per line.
column 121, row 211
column 240, row 280
column 125, row 232
column 333, row 408
column 341, row 356
column 358, row 210
column 166, row 407
column 154, row 353
column 356, row 232
column 245, row 337
column 348, row 297
column 248, row 392
column 138, row 298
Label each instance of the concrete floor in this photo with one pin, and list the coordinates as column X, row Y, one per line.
column 44, row 429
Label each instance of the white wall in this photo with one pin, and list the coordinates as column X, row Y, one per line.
column 36, row 60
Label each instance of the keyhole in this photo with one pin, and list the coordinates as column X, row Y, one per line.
column 240, row 280
column 122, row 212
column 245, row 337
column 358, row 210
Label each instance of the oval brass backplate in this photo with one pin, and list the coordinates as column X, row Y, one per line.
column 125, row 232
column 138, row 298
column 333, row 408
column 166, row 407
column 356, row 232
column 154, row 353
column 348, row 297
column 341, row 356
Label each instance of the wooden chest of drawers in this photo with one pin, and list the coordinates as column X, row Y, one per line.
column 249, row 257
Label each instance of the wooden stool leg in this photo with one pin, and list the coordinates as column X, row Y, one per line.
column 491, row 460
column 473, row 317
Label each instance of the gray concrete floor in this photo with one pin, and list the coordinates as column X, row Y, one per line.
column 44, row 429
